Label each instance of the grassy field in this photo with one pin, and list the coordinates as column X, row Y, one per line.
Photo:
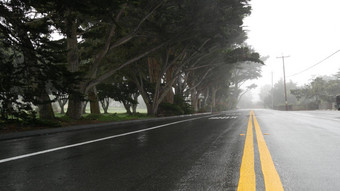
column 114, row 114
column 117, row 110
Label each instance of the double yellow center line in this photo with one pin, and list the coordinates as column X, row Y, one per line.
column 247, row 181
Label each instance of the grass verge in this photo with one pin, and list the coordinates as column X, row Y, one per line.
column 64, row 121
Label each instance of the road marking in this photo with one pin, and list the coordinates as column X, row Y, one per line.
column 247, row 181
column 93, row 141
column 242, row 134
column 213, row 118
column 271, row 177
column 226, row 117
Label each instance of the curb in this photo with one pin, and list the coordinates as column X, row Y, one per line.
column 18, row 135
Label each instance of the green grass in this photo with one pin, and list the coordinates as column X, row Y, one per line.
column 115, row 114
column 116, row 110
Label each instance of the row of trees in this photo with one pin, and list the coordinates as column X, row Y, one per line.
column 78, row 51
column 275, row 96
column 319, row 93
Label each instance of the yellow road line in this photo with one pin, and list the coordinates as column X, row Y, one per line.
column 272, row 180
column 247, row 181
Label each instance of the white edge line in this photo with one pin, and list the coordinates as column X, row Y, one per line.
column 93, row 141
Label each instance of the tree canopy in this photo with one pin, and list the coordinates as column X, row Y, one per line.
column 159, row 49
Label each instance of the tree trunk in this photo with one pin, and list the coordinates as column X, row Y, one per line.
column 200, row 104
column 154, row 69
column 148, row 104
column 179, row 86
column 74, row 110
column 134, row 109
column 62, row 108
column 149, row 110
column 158, row 94
column 84, row 105
column 134, row 106
column 62, row 102
column 105, row 104
column 94, row 102
column 106, row 108
column 155, row 108
column 72, row 43
column 169, row 98
column 194, row 99
column 213, row 97
column 45, row 108
column 127, row 108
column 205, row 100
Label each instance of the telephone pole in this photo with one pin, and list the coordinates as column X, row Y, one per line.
column 284, row 78
column 272, row 90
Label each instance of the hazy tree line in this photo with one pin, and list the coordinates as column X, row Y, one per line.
column 167, row 51
column 319, row 93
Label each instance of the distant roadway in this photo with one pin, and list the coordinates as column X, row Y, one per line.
column 235, row 150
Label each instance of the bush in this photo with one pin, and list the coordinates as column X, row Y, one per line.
column 46, row 123
column 220, row 108
column 204, row 109
column 93, row 116
column 168, row 109
column 184, row 105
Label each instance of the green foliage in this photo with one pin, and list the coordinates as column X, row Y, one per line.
column 179, row 107
column 114, row 117
column 186, row 107
column 29, row 57
column 204, row 109
column 191, row 38
column 168, row 109
column 44, row 123
column 318, row 90
column 92, row 116
column 120, row 89
column 220, row 107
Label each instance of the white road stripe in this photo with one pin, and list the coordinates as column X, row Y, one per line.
column 93, row 141
column 226, row 117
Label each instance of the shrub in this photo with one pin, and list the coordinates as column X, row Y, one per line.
column 168, row 109
column 184, row 105
column 92, row 116
column 46, row 123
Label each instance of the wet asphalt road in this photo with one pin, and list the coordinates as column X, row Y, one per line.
column 204, row 153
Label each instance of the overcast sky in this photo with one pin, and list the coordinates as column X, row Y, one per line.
column 306, row 30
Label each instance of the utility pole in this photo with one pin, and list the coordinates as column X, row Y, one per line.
column 272, row 90
column 284, row 79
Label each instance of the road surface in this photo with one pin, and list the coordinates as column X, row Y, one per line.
column 236, row 150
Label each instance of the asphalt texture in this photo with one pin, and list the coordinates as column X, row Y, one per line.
column 188, row 153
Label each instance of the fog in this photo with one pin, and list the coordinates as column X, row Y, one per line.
column 306, row 31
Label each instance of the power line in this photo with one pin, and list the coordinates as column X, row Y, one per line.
column 315, row 64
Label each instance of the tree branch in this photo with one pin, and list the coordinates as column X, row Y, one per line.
column 111, row 72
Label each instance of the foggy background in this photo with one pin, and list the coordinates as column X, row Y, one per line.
column 307, row 31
